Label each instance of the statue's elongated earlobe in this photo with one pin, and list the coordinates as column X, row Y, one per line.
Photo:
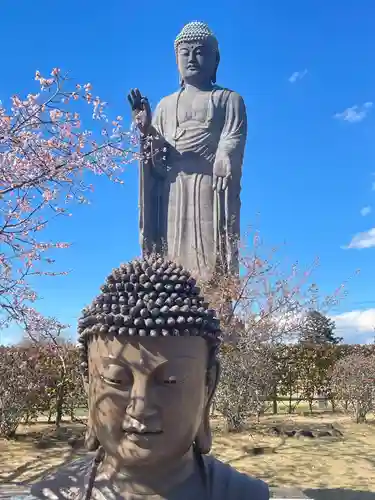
column 214, row 76
column 91, row 441
column 203, row 439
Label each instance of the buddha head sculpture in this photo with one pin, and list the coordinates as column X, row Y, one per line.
column 148, row 346
column 197, row 54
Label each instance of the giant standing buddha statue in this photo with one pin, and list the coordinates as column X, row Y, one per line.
column 192, row 153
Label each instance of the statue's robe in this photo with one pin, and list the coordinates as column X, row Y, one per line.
column 180, row 214
column 221, row 482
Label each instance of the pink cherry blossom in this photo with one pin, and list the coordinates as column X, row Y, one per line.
column 43, row 152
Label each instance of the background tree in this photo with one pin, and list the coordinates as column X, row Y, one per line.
column 259, row 310
column 37, row 380
column 20, row 381
column 62, row 368
column 247, row 380
column 315, row 361
column 290, row 381
column 316, row 328
column 353, row 383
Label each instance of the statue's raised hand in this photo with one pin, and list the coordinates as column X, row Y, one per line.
column 141, row 110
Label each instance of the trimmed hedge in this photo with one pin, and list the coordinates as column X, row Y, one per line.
column 46, row 379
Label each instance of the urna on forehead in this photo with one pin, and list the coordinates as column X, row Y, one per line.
column 149, row 297
column 196, row 31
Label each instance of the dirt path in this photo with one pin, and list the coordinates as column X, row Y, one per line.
column 326, row 462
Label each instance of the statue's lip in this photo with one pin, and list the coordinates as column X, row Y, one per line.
column 134, row 435
column 134, row 426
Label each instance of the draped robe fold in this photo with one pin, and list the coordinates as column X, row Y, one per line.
column 222, row 483
column 181, row 216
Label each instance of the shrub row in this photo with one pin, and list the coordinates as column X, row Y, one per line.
column 46, row 379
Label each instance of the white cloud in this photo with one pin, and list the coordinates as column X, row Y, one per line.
column 355, row 114
column 365, row 211
column 362, row 321
column 297, row 75
column 363, row 240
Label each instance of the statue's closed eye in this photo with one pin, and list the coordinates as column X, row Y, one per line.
column 115, row 375
column 170, row 380
column 110, row 380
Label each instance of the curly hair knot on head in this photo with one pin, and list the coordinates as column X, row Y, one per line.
column 149, row 297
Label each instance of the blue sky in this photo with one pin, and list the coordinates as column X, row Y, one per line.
column 306, row 72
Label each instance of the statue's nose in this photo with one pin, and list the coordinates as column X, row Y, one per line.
column 141, row 419
column 140, row 407
column 141, row 414
column 192, row 57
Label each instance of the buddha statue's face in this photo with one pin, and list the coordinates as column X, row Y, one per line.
column 147, row 396
column 197, row 62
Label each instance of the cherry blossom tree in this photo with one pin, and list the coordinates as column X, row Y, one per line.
column 262, row 308
column 47, row 159
column 353, row 384
column 270, row 298
column 18, row 384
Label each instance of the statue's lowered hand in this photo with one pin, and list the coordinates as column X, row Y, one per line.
column 141, row 110
column 221, row 174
